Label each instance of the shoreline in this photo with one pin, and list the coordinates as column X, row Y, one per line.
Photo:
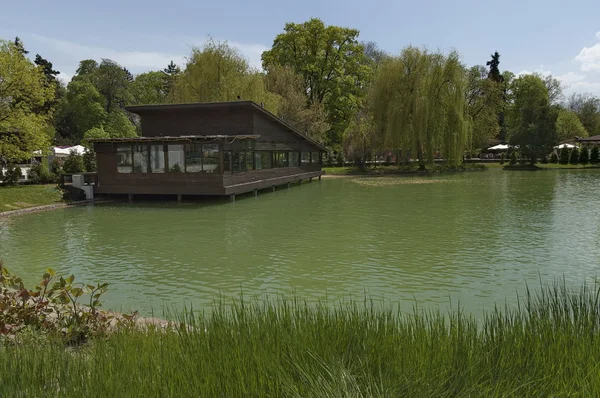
column 54, row 206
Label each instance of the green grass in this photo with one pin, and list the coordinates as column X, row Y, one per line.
column 550, row 346
column 23, row 196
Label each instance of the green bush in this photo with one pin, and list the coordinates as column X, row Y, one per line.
column 513, row 159
column 554, row 158
column 89, row 160
column 502, row 158
column 595, row 155
column 55, row 166
column 584, row 157
column 39, row 174
column 544, row 159
column 52, row 307
column 574, row 158
column 74, row 163
column 564, row 156
column 11, row 175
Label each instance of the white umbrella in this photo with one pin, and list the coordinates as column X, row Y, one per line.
column 499, row 147
column 78, row 149
column 562, row 146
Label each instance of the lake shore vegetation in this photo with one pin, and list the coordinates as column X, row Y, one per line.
column 545, row 346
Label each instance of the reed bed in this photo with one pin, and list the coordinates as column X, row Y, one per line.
column 549, row 345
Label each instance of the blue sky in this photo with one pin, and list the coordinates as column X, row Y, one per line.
column 561, row 38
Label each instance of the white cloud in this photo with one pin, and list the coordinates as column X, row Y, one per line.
column 64, row 77
column 570, row 79
column 590, row 56
column 135, row 60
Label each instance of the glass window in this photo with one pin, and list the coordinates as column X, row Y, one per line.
column 305, row 157
column 176, row 158
column 281, row 159
column 193, row 158
column 140, row 158
column 157, row 158
column 238, row 161
column 210, row 158
column 249, row 160
column 262, row 160
column 227, row 161
column 294, row 159
column 315, row 157
column 124, row 159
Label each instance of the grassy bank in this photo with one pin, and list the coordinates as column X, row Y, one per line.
column 24, row 196
column 547, row 347
column 413, row 168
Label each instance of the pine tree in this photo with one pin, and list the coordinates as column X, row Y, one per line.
column 128, row 75
column 574, row 159
column 564, row 156
column 584, row 157
column 19, row 45
column 172, row 69
column 46, row 67
column 595, row 155
column 494, row 64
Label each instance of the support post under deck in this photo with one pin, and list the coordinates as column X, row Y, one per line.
column 232, row 198
column 179, row 198
column 130, row 197
column 256, row 193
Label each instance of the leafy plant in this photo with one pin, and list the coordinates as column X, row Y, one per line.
column 11, row 175
column 53, row 306
column 574, row 158
column 89, row 160
column 564, row 156
column 554, row 158
column 39, row 174
column 176, row 168
column 513, row 159
column 502, row 158
column 544, row 159
column 584, row 157
column 74, row 163
column 594, row 155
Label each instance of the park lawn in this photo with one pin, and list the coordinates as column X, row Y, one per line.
column 24, row 196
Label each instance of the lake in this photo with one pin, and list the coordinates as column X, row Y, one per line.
column 473, row 239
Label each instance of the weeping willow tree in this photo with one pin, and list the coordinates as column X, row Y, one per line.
column 419, row 105
column 218, row 72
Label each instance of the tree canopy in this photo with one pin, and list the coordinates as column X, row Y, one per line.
column 219, row 73
column 332, row 63
column 23, row 91
column 419, row 104
column 568, row 126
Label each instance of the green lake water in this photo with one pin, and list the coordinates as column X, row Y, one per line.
column 472, row 238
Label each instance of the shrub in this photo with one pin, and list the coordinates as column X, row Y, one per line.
column 52, row 307
column 564, row 156
column 89, row 160
column 574, row 158
column 502, row 158
column 39, row 174
column 176, row 168
column 11, row 175
column 554, row 158
column 544, row 159
column 55, row 166
column 584, row 157
column 513, row 159
column 74, row 163
column 595, row 155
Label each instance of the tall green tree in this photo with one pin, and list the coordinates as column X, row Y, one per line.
column 587, row 109
column 113, row 81
column 19, row 46
column 484, row 103
column 219, row 73
column 419, row 104
column 23, row 91
column 332, row 63
column 170, row 74
column 149, row 88
column 531, row 117
column 568, row 126
column 293, row 107
column 494, row 70
column 360, row 139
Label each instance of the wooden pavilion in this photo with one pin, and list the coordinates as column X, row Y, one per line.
column 224, row 148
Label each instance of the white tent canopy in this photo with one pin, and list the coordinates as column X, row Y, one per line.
column 78, row 149
column 562, row 146
column 499, row 147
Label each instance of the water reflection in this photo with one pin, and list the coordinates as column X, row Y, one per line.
column 474, row 238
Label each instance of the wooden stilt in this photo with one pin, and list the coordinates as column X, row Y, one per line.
column 232, row 197
column 256, row 193
column 179, row 198
column 130, row 197
column 319, row 178
column 273, row 188
column 310, row 179
column 289, row 185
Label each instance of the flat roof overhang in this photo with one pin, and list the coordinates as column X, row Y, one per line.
column 177, row 138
